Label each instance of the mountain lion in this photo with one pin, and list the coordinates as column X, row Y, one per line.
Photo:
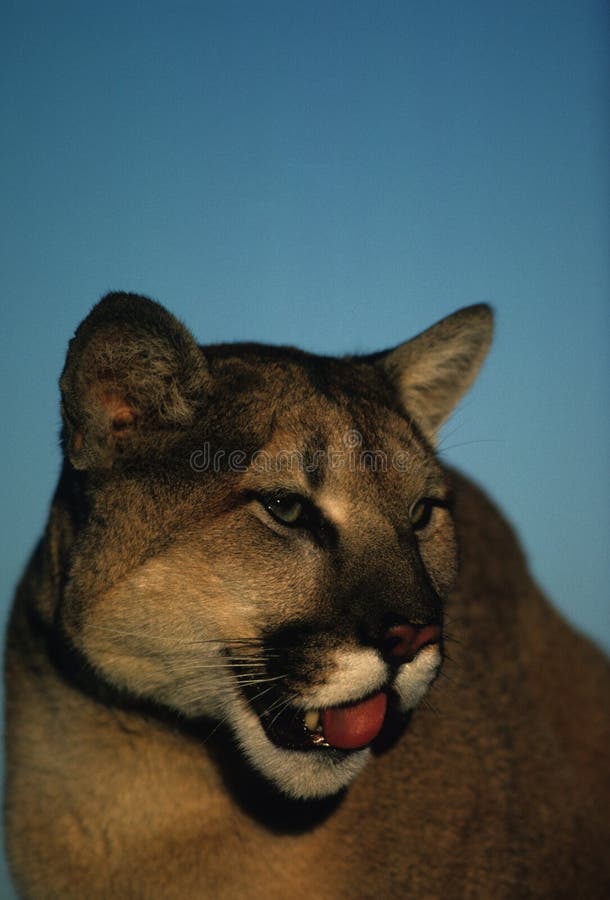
column 271, row 647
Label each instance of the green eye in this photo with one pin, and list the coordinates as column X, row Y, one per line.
column 288, row 510
column 421, row 513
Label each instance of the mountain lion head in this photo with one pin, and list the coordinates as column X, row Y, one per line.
column 258, row 536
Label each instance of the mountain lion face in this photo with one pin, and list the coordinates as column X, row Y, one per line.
column 262, row 538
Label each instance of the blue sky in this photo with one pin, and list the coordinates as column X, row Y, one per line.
column 337, row 175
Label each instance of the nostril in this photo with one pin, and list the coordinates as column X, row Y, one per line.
column 427, row 634
column 401, row 642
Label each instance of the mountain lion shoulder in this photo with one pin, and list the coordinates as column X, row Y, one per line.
column 270, row 646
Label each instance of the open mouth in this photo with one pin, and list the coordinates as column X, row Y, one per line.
column 338, row 729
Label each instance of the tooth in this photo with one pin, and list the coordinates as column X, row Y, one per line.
column 312, row 719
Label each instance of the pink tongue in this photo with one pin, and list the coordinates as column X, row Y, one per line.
column 350, row 727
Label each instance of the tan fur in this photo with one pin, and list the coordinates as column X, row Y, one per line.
column 127, row 776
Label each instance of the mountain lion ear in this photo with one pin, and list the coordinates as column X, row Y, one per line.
column 432, row 371
column 132, row 372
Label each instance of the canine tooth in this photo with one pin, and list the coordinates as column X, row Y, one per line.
column 312, row 719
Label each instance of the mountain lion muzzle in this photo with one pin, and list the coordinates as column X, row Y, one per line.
column 270, row 645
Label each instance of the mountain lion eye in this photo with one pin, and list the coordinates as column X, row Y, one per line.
column 421, row 513
column 288, row 510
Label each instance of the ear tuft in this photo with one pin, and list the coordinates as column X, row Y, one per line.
column 432, row 371
column 132, row 371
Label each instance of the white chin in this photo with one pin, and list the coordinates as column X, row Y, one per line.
column 302, row 775
column 312, row 774
column 414, row 679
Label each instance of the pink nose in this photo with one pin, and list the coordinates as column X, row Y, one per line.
column 401, row 642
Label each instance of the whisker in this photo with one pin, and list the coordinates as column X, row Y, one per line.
column 221, row 722
column 446, row 449
column 246, row 680
column 443, row 674
column 219, row 665
column 451, row 619
column 450, row 636
column 245, row 641
column 285, row 705
column 281, row 702
column 249, row 682
column 441, row 446
column 429, row 707
column 262, row 693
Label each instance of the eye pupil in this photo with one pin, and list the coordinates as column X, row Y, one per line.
column 286, row 509
column 420, row 514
